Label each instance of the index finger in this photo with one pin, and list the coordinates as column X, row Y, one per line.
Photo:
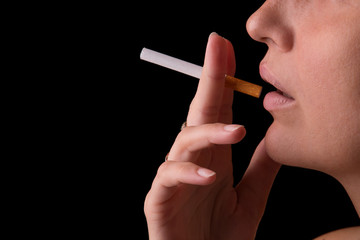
column 209, row 96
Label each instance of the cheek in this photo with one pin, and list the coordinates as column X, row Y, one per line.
column 330, row 89
column 325, row 135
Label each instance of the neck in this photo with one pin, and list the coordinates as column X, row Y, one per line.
column 351, row 183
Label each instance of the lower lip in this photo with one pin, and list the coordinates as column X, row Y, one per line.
column 276, row 101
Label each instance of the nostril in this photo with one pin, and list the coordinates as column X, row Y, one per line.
column 267, row 40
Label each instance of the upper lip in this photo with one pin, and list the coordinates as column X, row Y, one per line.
column 268, row 77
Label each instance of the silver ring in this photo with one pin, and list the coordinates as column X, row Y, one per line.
column 167, row 157
column 184, row 125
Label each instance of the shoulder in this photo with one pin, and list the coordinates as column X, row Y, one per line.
column 352, row 233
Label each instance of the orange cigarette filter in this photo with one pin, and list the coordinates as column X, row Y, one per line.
column 243, row 86
column 195, row 71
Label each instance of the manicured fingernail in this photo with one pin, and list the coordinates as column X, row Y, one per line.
column 232, row 127
column 206, row 173
column 213, row 33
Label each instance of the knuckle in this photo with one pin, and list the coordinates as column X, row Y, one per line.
column 191, row 138
column 163, row 168
column 209, row 111
column 147, row 204
column 204, row 110
column 183, row 168
column 183, row 138
column 186, row 131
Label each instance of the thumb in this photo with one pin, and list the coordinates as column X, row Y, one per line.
column 254, row 188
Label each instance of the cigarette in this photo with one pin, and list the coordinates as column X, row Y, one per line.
column 195, row 71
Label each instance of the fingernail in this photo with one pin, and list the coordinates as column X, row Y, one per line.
column 213, row 33
column 232, row 127
column 206, row 173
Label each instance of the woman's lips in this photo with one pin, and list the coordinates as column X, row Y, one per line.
column 275, row 100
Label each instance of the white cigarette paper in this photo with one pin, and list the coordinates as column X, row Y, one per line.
column 195, row 71
column 171, row 63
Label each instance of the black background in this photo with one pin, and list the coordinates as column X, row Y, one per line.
column 133, row 111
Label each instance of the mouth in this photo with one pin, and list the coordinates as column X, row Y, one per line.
column 284, row 94
column 280, row 98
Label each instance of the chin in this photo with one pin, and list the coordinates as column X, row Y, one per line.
column 284, row 148
column 293, row 147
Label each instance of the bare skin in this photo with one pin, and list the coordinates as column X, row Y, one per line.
column 192, row 196
column 313, row 58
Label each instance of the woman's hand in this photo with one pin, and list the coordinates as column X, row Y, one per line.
column 192, row 196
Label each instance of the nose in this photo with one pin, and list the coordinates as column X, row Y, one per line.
column 271, row 25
